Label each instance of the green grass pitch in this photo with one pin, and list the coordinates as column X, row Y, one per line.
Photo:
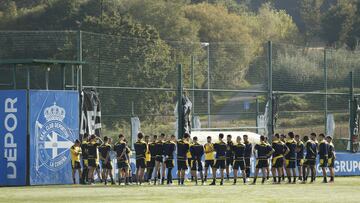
column 343, row 190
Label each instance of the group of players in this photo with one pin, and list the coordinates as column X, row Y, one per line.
column 155, row 158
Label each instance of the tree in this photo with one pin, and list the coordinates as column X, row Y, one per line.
column 9, row 9
column 310, row 12
column 338, row 22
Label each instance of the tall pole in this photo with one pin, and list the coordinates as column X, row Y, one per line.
column 193, row 87
column 79, row 57
column 28, row 78
column 100, row 40
column 72, row 77
column 47, row 78
column 326, row 91
column 257, row 114
column 28, row 124
column 179, row 100
column 14, row 76
column 63, row 77
column 351, row 109
column 270, row 94
column 208, row 85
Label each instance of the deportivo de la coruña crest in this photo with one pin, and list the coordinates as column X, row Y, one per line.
column 53, row 139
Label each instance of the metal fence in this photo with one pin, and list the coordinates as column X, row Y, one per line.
column 229, row 83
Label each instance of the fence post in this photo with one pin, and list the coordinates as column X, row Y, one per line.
column 28, row 125
column 257, row 114
column 270, row 123
column 326, row 90
column 79, row 57
column 14, row 76
column 63, row 77
column 47, row 78
column 193, row 87
column 351, row 109
column 208, row 86
column 179, row 100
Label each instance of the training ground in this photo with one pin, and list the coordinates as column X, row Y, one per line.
column 345, row 189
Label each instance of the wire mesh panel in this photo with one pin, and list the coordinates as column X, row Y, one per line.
column 60, row 45
column 298, row 69
column 227, row 82
column 20, row 47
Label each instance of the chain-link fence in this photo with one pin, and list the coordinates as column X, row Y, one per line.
column 227, row 82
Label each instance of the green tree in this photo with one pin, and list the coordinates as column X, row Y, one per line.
column 310, row 12
column 338, row 22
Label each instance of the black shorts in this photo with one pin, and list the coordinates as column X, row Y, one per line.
column 151, row 163
column 331, row 162
column 262, row 163
column 209, row 163
column 75, row 164
column 196, row 165
column 140, row 163
column 108, row 165
column 229, row 161
column 247, row 163
column 309, row 162
column 189, row 161
column 92, row 163
column 323, row 162
column 299, row 162
column 290, row 163
column 182, row 165
column 219, row 164
column 169, row 163
column 277, row 162
column 159, row 158
column 239, row 163
column 122, row 165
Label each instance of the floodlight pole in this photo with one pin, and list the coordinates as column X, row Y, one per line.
column 208, row 84
column 326, row 90
column 257, row 114
column 179, row 101
column 270, row 122
column 193, row 87
column 14, row 76
column 79, row 57
column 351, row 109
column 63, row 77
column 47, row 78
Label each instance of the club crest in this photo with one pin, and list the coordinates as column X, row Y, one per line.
column 53, row 139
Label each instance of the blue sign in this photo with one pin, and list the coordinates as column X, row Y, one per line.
column 13, row 137
column 53, row 123
column 346, row 164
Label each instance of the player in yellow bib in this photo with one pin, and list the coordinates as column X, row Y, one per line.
column 209, row 156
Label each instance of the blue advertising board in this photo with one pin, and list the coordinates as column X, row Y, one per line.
column 346, row 164
column 53, row 123
column 13, row 137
